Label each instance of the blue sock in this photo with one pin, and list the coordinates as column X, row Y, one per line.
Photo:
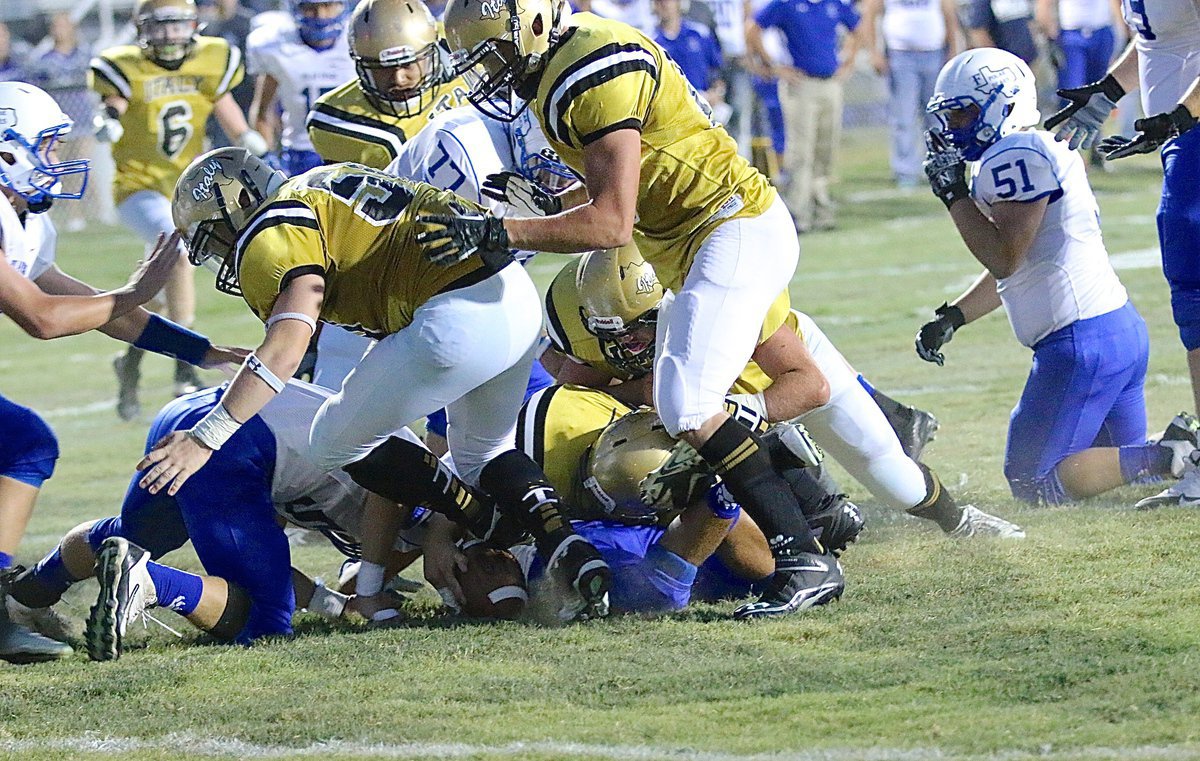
column 178, row 590
column 51, row 573
column 6, row 560
column 1142, row 460
column 865, row 384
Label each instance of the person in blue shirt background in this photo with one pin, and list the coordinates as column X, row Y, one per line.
column 691, row 45
column 811, row 94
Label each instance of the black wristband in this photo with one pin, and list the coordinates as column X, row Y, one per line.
column 1111, row 88
column 952, row 315
column 111, row 112
column 955, row 192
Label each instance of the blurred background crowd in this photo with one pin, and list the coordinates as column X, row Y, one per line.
column 786, row 76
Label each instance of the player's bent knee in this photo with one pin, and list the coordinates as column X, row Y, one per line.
column 28, row 447
column 1037, row 489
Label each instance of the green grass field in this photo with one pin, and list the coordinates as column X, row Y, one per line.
column 1078, row 643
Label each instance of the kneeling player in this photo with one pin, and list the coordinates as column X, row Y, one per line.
column 1029, row 217
column 229, row 512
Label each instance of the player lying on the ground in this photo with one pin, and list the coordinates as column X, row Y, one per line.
column 157, row 95
column 602, row 314
column 47, row 303
column 1028, row 215
column 336, row 244
column 230, row 512
column 700, row 547
column 654, row 165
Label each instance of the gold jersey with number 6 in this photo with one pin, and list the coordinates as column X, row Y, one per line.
column 168, row 108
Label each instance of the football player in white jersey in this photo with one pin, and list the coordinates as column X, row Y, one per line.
column 230, row 512
column 1029, row 217
column 48, row 303
column 1163, row 60
column 297, row 61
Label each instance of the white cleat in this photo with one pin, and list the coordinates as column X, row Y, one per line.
column 126, row 591
column 47, row 622
column 1183, row 493
column 976, row 522
column 1180, row 437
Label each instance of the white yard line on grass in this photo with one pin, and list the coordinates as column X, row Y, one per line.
column 232, row 748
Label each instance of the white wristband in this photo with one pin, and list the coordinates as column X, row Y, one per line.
column 301, row 316
column 369, row 581
column 256, row 366
column 215, row 428
column 254, row 142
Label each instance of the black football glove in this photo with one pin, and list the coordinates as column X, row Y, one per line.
column 447, row 240
column 946, row 169
column 936, row 333
column 521, row 193
column 1085, row 114
column 1153, row 131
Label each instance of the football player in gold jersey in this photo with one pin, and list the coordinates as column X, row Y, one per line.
column 658, row 170
column 617, row 296
column 401, row 83
column 158, row 94
column 336, row 244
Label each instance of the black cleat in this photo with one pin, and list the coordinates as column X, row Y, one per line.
column 580, row 567
column 801, row 581
column 127, row 366
column 915, row 428
column 126, row 590
column 186, row 379
column 837, row 523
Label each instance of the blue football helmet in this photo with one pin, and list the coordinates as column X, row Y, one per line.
column 319, row 33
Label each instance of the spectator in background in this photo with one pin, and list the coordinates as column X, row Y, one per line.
column 811, row 94
column 1004, row 24
column 1083, row 31
column 918, row 37
column 62, row 71
column 692, row 46
column 729, row 21
column 12, row 56
column 636, row 13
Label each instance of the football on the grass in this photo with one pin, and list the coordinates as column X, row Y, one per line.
column 493, row 584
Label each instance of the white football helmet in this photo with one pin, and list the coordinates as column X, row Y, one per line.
column 30, row 125
column 536, row 160
column 997, row 83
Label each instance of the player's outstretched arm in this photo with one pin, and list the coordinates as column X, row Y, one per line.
column 289, row 328
column 1088, row 107
column 44, row 315
column 979, row 299
column 1154, row 131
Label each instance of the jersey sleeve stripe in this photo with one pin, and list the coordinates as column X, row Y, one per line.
column 280, row 213
column 111, row 73
column 334, row 122
column 232, row 63
column 360, row 120
column 630, row 123
column 596, row 68
column 554, row 326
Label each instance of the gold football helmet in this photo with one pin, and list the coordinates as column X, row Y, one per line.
column 166, row 30
column 215, row 198
column 496, row 44
column 627, row 451
column 394, row 44
column 619, row 295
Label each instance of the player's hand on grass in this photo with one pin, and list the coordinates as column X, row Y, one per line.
column 174, row 459
column 936, row 333
column 370, row 607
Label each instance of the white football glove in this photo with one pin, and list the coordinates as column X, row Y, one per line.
column 107, row 128
column 522, row 195
column 254, row 142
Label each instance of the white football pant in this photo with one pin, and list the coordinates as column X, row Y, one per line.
column 852, row 429
column 469, row 350
column 707, row 331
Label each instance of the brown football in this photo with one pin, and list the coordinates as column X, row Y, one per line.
column 493, row 584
